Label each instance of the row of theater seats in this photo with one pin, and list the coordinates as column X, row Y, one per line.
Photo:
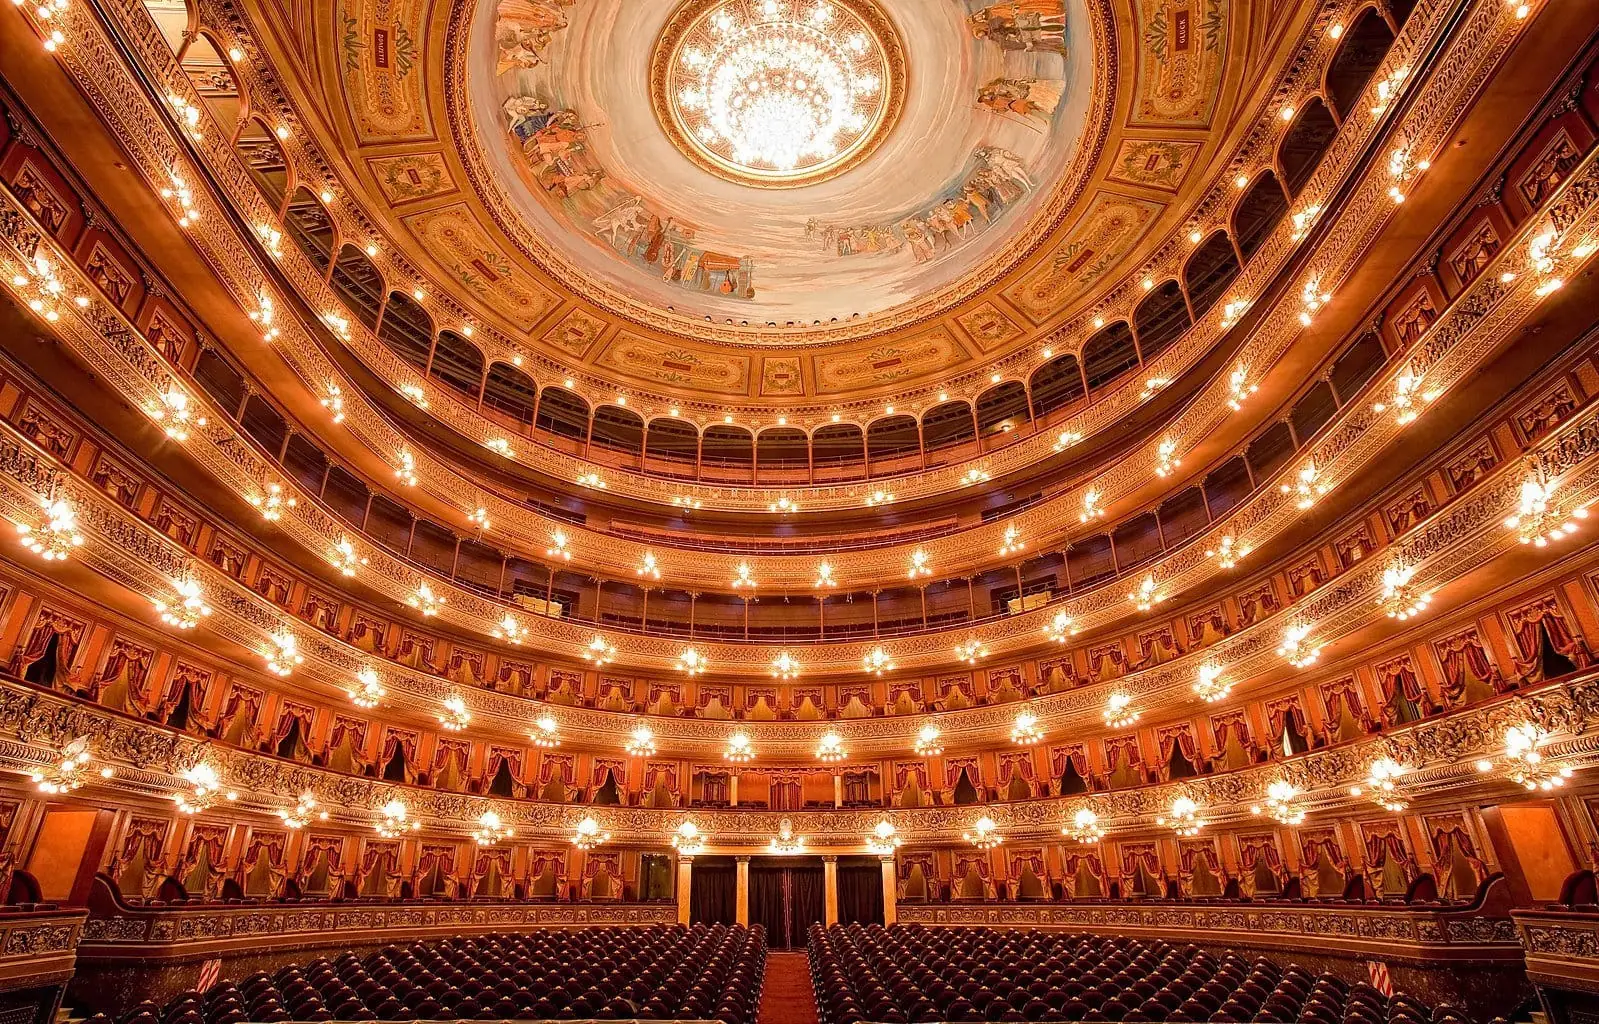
column 915, row 975
column 657, row 973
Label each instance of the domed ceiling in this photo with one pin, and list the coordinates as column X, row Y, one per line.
column 991, row 110
column 791, row 200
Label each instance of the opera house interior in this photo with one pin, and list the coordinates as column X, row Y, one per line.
column 799, row 511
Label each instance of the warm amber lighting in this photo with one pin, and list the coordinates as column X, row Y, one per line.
column 877, row 661
column 1183, row 818
column 1210, row 686
column 453, row 715
column 546, row 732
column 394, row 821
column 491, row 831
column 984, row 834
column 739, row 749
column 204, row 789
column 1119, row 713
column 1084, row 826
column 367, row 692
column 185, row 611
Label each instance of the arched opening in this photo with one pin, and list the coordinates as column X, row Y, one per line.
column 674, row 441
column 264, row 424
column 1001, row 409
column 458, row 363
column 839, row 444
column 1360, row 52
column 619, row 429
column 1307, row 140
column 1178, row 766
column 1109, row 354
column 730, row 448
column 359, row 285
column 1312, row 411
column 1210, row 271
column 310, row 228
column 1160, row 319
column 407, row 330
column 1270, row 451
column 563, row 414
column 1357, row 364
column 212, row 77
column 609, row 793
column 509, row 392
column 220, row 380
column 965, row 789
column 258, row 150
column 890, row 438
column 1071, row 781
column 1226, row 486
column 1262, row 207
column 948, row 426
column 783, row 450
column 1057, row 384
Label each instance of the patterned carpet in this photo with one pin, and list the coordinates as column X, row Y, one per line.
column 788, row 997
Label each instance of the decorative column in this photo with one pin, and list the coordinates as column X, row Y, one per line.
column 830, row 890
column 742, row 914
column 685, row 884
column 732, row 790
column 838, row 789
column 890, row 892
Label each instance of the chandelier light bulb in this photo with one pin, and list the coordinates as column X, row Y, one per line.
column 491, row 831
column 600, row 651
column 367, row 692
column 648, row 567
column 641, row 741
column 928, row 743
column 1183, row 818
column 1296, row 647
column 187, row 609
column 546, row 732
column 284, row 654
column 1280, row 803
column 394, row 821
column 1382, row 785
column 877, row 661
column 453, row 715
column 204, row 789
column 510, row 630
column 1026, row 731
column 304, row 811
column 691, row 662
column 830, row 748
column 55, row 538
column 824, row 576
column 1119, row 711
column 785, row 666
column 786, row 841
column 918, row 566
column 688, row 840
column 884, row 839
column 984, row 834
column 1210, row 686
column 739, row 749
column 1060, row 626
column 69, row 771
column 1084, row 827
column 971, row 651
column 426, row 601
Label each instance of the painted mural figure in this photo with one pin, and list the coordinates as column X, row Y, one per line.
column 1025, row 97
column 523, row 30
column 1023, row 25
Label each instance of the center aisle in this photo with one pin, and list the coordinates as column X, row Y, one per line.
column 787, row 997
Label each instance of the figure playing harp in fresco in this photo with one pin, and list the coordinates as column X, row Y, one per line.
column 1023, row 25
column 1034, row 98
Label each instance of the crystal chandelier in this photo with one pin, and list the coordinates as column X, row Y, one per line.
column 1166, row 460
column 786, row 841
column 1210, row 686
column 1280, row 803
column 1146, row 596
column 974, row 476
column 1066, row 438
column 491, row 831
column 777, row 91
column 876, row 662
column 824, row 576
column 1296, row 648
column 648, row 567
column 1408, row 398
column 1536, row 520
column 69, row 771
column 271, row 503
column 47, row 287
column 425, row 601
column 510, row 630
column 785, row 666
column 743, row 578
column 204, row 789
column 394, row 822
column 1119, row 711
column 641, row 741
column 688, row 840
column 884, row 839
column 1092, row 509
column 344, row 557
column 972, row 651
column 783, row 505
column 739, row 749
column 57, row 535
column 1026, row 730
column 918, row 566
column 830, row 748
column 546, row 732
column 879, row 497
column 367, row 692
column 690, row 662
column 1228, row 551
column 588, row 835
column 984, row 834
column 1383, row 783
column 187, row 610
column 927, row 742
column 303, row 812
column 560, row 546
column 1183, row 818
column 1239, row 389
column 1059, row 627
column 1084, row 827
column 1524, row 764
column 284, row 654
column 591, row 480
column 1399, row 599
column 172, row 410
column 1307, row 487
column 1012, row 542
column 600, row 651
column 453, row 715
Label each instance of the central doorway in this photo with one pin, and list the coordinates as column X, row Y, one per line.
column 786, row 896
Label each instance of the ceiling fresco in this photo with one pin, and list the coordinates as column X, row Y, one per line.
column 1022, row 155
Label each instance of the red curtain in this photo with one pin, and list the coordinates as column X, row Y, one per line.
column 448, row 750
column 48, row 627
column 1237, row 723
column 903, row 770
column 394, row 740
column 1181, row 735
column 1188, row 851
column 265, row 844
column 1278, row 711
column 1252, row 850
column 291, row 714
column 1010, row 764
column 1074, row 858
column 324, row 846
column 1381, row 846
column 1133, row 856
column 1554, row 626
column 607, row 766
column 1020, row 859
column 1400, row 675
column 557, row 766
column 240, row 702
column 656, row 772
column 487, row 855
column 342, row 727
column 1445, row 837
column 952, row 771
column 147, row 833
column 1312, row 847
column 186, row 677
column 964, row 862
column 1461, row 655
column 1058, row 756
column 1118, row 750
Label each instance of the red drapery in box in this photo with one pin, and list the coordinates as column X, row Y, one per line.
column 541, row 861
column 1136, row 854
column 448, row 751
column 1075, row 858
column 242, row 702
column 1122, row 749
column 47, row 627
column 149, row 833
column 1533, row 622
column 610, row 863
column 509, row 756
column 1339, row 693
column 904, row 770
column 965, row 862
column 1450, row 837
column 924, row 860
column 291, row 715
column 185, row 678
column 1396, row 674
column 953, row 767
column 379, row 856
column 395, row 740
column 208, row 838
column 1277, row 712
column 322, row 846
column 1253, row 849
column 1317, row 844
column 1462, row 657
column 1189, row 850
column 616, row 768
column 344, row 728
column 1076, row 753
column 1382, row 845
column 1033, row 859
column 131, row 663
column 657, row 772
column 496, row 855
column 265, row 844
column 1234, row 722
column 1015, row 762
column 1182, row 736
column 553, row 766
column 441, row 857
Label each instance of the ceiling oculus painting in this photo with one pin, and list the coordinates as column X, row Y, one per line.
column 801, row 161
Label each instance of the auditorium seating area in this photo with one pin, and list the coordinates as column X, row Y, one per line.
column 655, row 973
column 913, row 975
